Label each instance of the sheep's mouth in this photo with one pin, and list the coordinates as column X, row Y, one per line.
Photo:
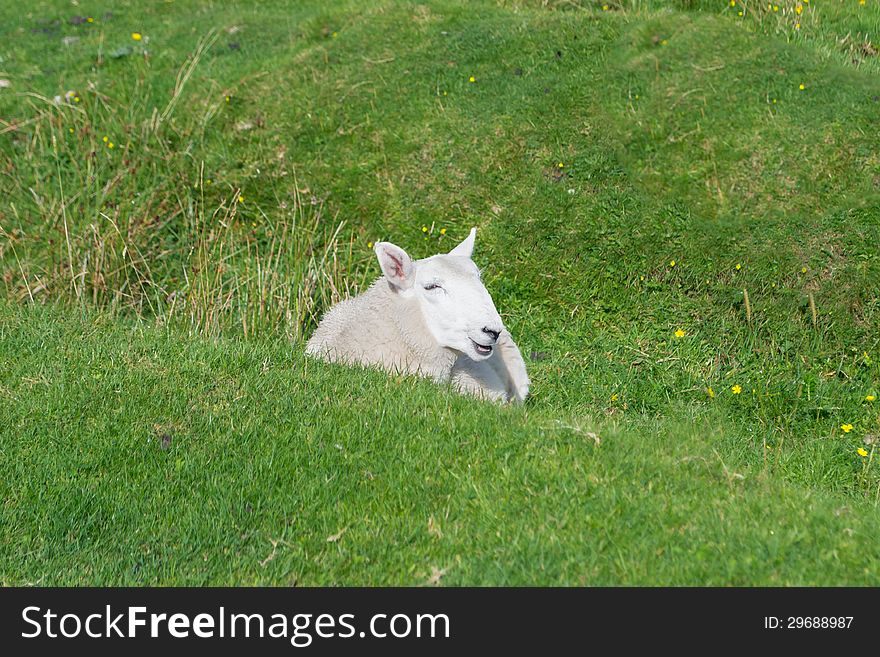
column 481, row 349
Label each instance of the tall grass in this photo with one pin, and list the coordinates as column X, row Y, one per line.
column 108, row 202
column 263, row 286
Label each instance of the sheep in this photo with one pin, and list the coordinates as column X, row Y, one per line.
column 431, row 317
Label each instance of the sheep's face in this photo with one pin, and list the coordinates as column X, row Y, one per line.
column 454, row 303
column 456, row 306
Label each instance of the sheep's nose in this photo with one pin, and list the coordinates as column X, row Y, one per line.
column 489, row 331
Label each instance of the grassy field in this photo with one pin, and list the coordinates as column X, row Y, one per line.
column 679, row 219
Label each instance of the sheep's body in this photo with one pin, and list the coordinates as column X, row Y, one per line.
column 380, row 329
column 433, row 318
column 376, row 329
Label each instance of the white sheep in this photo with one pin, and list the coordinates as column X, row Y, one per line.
column 431, row 317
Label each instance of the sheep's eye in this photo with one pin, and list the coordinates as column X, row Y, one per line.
column 433, row 286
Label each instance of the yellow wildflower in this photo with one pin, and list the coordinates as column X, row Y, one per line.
column 870, row 398
column 136, row 36
column 369, row 245
column 736, row 389
column 798, row 10
column 738, row 266
column 733, row 3
column 846, row 428
column 679, row 333
column 801, row 86
column 105, row 139
column 672, row 263
column 472, row 79
column 614, row 397
column 110, row 144
column 241, row 198
column 90, row 20
column 442, row 231
column 861, row 451
column 710, row 392
column 424, row 229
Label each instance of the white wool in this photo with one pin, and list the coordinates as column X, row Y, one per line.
column 402, row 323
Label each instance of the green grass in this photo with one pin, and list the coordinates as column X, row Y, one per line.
column 163, row 287
column 267, row 456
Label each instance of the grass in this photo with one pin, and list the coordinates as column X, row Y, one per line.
column 137, row 457
column 157, row 293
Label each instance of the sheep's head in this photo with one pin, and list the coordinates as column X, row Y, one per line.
column 455, row 304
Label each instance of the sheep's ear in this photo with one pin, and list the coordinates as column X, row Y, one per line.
column 466, row 248
column 396, row 264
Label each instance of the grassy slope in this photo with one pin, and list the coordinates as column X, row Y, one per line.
column 671, row 151
column 267, row 449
